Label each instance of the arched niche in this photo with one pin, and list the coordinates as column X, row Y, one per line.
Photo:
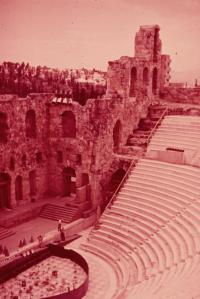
column 68, row 124
column 133, row 82
column 30, row 123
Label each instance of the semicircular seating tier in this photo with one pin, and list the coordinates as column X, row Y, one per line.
column 180, row 132
column 150, row 235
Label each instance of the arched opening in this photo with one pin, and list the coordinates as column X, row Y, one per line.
column 133, row 82
column 18, row 188
column 116, row 179
column 154, row 80
column 117, row 132
column 12, row 164
column 31, row 130
column 146, row 76
column 4, row 190
column 32, row 183
column 84, row 179
column 3, row 128
column 68, row 124
column 69, row 181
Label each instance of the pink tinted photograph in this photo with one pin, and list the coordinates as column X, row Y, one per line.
column 99, row 149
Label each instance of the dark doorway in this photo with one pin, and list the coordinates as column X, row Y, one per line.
column 4, row 190
column 117, row 131
column 32, row 183
column 133, row 82
column 69, row 181
column 116, row 179
column 18, row 188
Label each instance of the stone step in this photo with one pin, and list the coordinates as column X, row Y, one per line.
column 5, row 232
column 56, row 212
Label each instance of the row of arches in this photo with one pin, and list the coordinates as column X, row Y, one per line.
column 5, row 188
column 134, row 78
column 68, row 125
column 30, row 126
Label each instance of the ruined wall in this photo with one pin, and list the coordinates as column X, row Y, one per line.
column 94, row 141
column 144, row 73
column 81, row 145
column 181, row 95
column 19, row 155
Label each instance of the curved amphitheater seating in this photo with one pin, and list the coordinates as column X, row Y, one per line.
column 181, row 132
column 150, row 235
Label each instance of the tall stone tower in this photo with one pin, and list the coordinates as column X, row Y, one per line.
column 146, row 72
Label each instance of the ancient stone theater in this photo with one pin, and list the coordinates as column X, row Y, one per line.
column 122, row 171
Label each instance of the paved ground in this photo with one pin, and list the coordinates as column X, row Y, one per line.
column 35, row 227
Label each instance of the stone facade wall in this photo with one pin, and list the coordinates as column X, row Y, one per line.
column 94, row 140
column 90, row 144
column 18, row 155
column 181, row 95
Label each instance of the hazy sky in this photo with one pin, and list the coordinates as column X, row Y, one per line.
column 88, row 33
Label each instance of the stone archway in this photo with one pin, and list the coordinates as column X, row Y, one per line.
column 69, row 181
column 5, row 192
column 68, row 124
column 146, row 76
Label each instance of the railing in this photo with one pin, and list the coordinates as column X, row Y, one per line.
column 156, row 125
column 132, row 163
column 119, row 186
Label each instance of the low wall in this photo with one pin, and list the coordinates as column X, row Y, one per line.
column 181, row 95
column 190, row 157
column 15, row 267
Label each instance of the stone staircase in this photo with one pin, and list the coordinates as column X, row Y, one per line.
column 56, row 212
column 5, row 232
column 146, row 125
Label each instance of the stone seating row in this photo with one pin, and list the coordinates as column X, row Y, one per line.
column 189, row 119
column 173, row 180
column 154, row 224
column 189, row 172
